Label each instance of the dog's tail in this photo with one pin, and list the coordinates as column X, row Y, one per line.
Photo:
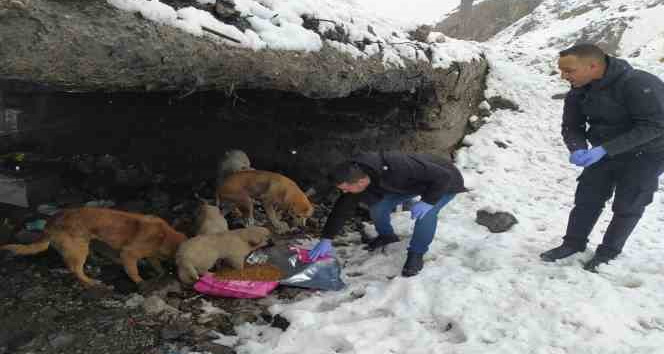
column 24, row 250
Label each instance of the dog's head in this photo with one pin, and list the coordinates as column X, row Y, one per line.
column 257, row 236
column 300, row 210
column 234, row 161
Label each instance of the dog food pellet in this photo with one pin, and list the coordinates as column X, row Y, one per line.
column 257, row 272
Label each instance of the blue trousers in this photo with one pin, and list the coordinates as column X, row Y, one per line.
column 425, row 227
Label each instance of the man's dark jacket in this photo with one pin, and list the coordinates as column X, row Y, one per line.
column 396, row 173
column 624, row 112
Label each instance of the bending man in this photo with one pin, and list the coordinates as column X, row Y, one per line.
column 383, row 181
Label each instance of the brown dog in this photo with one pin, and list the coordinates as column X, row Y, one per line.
column 276, row 192
column 136, row 236
column 198, row 254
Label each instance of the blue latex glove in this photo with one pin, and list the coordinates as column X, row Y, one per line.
column 419, row 210
column 593, row 155
column 578, row 157
column 323, row 247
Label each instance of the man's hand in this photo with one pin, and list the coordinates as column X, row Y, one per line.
column 419, row 210
column 585, row 158
column 323, row 247
column 593, row 155
column 578, row 157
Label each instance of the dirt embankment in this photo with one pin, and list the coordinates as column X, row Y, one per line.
column 91, row 46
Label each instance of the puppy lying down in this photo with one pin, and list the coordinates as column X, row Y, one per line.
column 197, row 255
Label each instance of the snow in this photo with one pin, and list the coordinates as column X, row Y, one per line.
column 479, row 292
column 280, row 25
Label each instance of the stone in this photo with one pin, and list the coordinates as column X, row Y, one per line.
column 499, row 221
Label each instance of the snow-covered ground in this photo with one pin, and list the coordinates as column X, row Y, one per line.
column 489, row 293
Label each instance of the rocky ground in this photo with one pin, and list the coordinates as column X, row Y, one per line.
column 45, row 310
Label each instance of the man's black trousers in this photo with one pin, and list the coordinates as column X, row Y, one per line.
column 633, row 178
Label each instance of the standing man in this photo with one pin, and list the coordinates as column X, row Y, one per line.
column 383, row 181
column 620, row 112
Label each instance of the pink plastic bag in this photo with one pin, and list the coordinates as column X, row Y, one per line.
column 242, row 289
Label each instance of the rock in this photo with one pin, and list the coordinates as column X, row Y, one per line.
column 134, row 301
column 498, row 102
column 475, row 122
column 484, row 109
column 175, row 331
column 500, row 144
column 215, row 349
column 280, row 322
column 499, row 221
column 155, row 305
column 485, row 19
column 421, row 33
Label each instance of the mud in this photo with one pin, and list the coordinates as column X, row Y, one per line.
column 45, row 310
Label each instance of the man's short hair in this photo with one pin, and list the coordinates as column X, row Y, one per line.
column 346, row 172
column 586, row 51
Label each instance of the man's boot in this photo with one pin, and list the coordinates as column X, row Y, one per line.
column 560, row 252
column 381, row 241
column 414, row 264
column 594, row 262
column 603, row 254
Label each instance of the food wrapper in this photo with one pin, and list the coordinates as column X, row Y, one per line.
column 300, row 271
column 296, row 270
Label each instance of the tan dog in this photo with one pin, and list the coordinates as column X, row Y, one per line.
column 198, row 254
column 276, row 192
column 136, row 236
column 209, row 219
